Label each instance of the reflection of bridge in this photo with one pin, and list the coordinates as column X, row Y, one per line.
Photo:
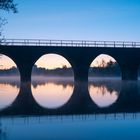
column 79, row 103
column 80, row 54
column 69, row 118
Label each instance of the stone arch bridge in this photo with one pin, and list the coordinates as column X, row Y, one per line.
column 80, row 54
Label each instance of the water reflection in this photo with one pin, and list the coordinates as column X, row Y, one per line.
column 8, row 93
column 52, row 95
column 104, row 93
column 71, row 127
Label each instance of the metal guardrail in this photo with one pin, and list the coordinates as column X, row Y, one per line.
column 67, row 43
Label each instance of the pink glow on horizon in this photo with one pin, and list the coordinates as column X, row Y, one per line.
column 52, row 61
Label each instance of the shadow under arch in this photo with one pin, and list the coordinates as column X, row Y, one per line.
column 138, row 73
column 51, row 71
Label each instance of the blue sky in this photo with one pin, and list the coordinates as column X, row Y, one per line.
column 75, row 19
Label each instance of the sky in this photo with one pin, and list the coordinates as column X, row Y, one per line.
column 6, row 62
column 74, row 19
column 52, row 61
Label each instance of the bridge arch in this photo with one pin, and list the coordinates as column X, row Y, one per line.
column 52, row 79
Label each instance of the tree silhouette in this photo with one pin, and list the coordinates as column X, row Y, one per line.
column 9, row 6
column 103, row 63
column 111, row 64
column 64, row 67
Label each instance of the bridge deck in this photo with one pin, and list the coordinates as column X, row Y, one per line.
column 68, row 43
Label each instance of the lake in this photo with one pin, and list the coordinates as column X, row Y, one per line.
column 58, row 108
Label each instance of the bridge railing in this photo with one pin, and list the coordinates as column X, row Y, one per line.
column 67, row 43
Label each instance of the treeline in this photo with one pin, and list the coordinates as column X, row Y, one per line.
column 110, row 69
column 9, row 72
column 53, row 72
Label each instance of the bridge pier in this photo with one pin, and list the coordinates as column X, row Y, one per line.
column 25, row 72
column 25, row 98
column 129, row 72
column 81, row 74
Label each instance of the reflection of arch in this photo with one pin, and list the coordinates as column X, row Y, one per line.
column 106, row 59
column 52, row 95
column 104, row 93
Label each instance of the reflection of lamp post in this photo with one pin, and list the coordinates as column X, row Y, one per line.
column 3, row 135
column 0, row 127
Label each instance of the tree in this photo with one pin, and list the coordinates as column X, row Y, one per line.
column 9, row 6
column 3, row 21
column 64, row 67
column 103, row 63
column 111, row 64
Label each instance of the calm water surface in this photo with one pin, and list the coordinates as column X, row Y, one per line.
column 9, row 90
column 71, row 128
column 8, row 94
column 56, row 94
